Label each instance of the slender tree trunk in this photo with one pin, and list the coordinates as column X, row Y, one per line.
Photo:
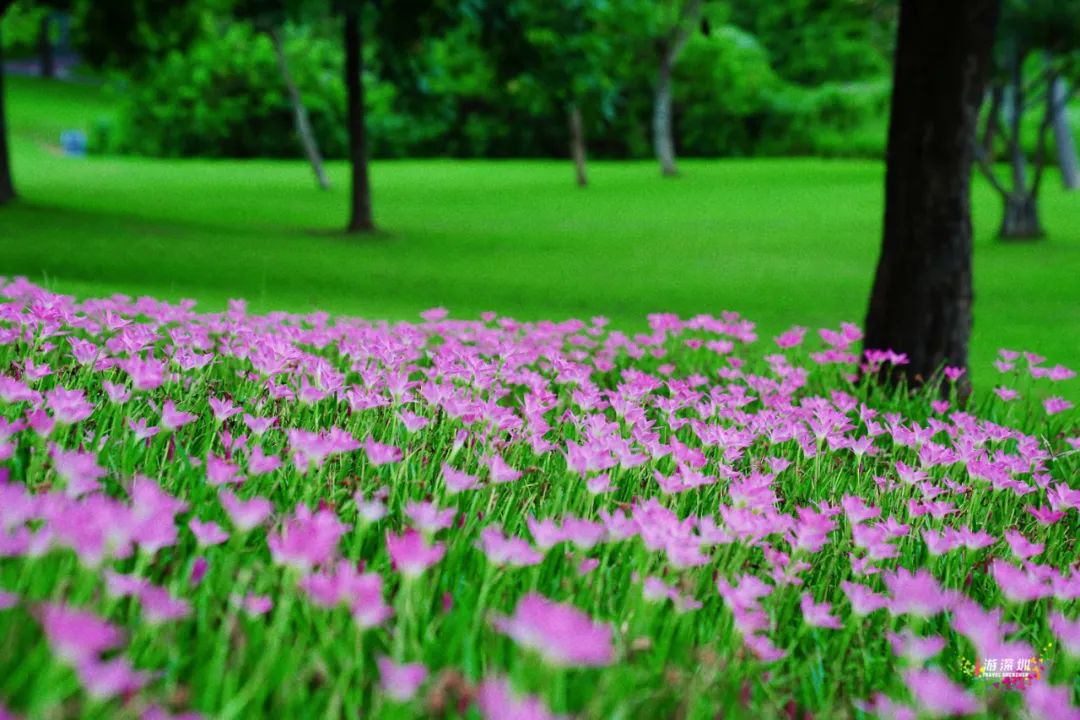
column 921, row 301
column 7, row 186
column 300, row 114
column 577, row 145
column 1016, row 115
column 46, row 58
column 671, row 47
column 360, row 193
column 663, row 135
column 1063, row 139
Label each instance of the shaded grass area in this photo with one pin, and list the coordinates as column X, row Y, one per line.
column 783, row 241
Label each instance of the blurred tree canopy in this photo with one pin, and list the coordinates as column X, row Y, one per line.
column 483, row 77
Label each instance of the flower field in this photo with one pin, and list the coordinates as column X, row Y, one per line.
column 226, row 515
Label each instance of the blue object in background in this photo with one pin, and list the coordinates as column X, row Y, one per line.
column 73, row 143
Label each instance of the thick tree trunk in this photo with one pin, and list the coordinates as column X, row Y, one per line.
column 921, row 301
column 663, row 136
column 670, row 49
column 46, row 57
column 360, row 191
column 1021, row 218
column 300, row 114
column 1063, row 139
column 577, row 145
column 7, row 187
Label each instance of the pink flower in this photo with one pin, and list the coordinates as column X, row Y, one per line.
column 68, row 406
column 80, row 470
column 500, row 471
column 370, row 511
column 259, row 463
column 1006, row 394
column 916, row 649
column 412, row 421
column 307, row 540
column 501, row 550
column 561, row 634
column 938, row 695
column 8, row 600
column 599, row 484
column 1021, row 547
column 1060, row 372
column 116, row 393
column 77, row 635
column 145, row 374
column 173, row 419
column 1044, row 701
column 818, row 615
column 1017, row 585
column 223, row 409
column 159, row 606
column 104, row 679
column 258, row 425
column 791, row 338
column 411, row 554
column 245, row 514
column 401, row 682
column 497, row 701
column 457, row 481
column 428, row 517
column 1054, row 405
column 884, row 708
column 1067, row 632
column 857, row 510
column 915, row 593
column 207, row 533
column 199, row 568
column 221, row 472
column 255, row 605
column 380, row 454
column 343, row 584
column 141, row 430
column 156, row 712
column 1045, row 516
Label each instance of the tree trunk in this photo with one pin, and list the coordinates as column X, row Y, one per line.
column 671, row 47
column 7, row 187
column 300, row 114
column 360, row 192
column 577, row 145
column 663, row 136
column 1021, row 219
column 921, row 301
column 1063, row 139
column 1016, row 116
column 46, row 58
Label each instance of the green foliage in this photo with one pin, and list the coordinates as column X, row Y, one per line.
column 225, row 97
column 723, row 86
column 815, row 41
column 21, row 24
column 495, row 79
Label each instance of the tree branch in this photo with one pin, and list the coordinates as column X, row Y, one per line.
column 1040, row 158
column 991, row 127
column 988, row 171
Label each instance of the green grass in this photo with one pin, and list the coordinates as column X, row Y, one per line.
column 783, row 241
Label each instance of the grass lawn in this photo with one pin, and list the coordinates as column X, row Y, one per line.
column 785, row 241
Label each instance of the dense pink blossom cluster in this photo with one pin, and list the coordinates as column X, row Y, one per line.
column 361, row 461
